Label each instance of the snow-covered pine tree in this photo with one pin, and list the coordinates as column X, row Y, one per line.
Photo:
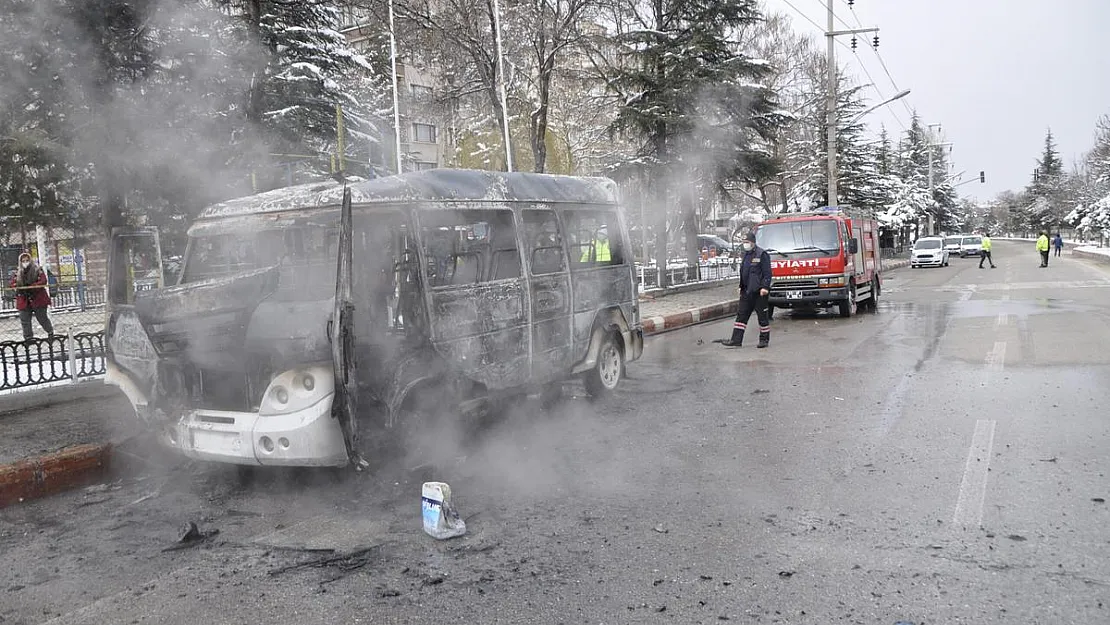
column 1049, row 190
column 305, row 93
column 856, row 162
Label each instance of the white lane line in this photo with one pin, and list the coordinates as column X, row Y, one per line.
column 973, row 488
column 995, row 360
column 1003, row 318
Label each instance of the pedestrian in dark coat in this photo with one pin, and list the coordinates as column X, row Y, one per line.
column 31, row 296
column 1058, row 244
column 755, row 288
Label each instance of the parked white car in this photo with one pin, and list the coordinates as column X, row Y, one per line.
column 929, row 252
column 971, row 246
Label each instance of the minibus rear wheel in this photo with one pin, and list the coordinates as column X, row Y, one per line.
column 609, row 369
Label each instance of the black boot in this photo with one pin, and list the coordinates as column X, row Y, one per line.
column 736, row 340
column 764, row 339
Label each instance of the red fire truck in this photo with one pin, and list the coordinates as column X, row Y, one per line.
column 822, row 259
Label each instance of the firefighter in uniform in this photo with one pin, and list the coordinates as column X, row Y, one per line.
column 755, row 285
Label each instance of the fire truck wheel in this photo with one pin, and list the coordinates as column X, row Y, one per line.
column 848, row 307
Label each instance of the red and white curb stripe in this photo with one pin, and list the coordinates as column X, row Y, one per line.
column 655, row 325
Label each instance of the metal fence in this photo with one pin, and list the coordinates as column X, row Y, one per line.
column 678, row 273
column 60, row 358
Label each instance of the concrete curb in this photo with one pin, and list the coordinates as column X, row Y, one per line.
column 1100, row 258
column 52, row 473
column 656, row 325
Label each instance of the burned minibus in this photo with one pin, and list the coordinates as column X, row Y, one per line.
column 307, row 321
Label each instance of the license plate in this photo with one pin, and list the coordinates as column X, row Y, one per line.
column 214, row 441
column 794, row 295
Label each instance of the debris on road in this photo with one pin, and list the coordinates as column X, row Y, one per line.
column 1098, row 500
column 441, row 521
column 662, row 529
column 786, row 574
column 1017, row 538
column 759, row 391
column 190, row 536
column 347, row 561
column 1052, row 459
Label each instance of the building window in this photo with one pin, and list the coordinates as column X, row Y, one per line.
column 424, row 133
column 421, row 92
column 423, row 165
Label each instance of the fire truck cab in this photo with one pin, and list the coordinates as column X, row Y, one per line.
column 822, row 259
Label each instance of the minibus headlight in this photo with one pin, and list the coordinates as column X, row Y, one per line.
column 298, row 389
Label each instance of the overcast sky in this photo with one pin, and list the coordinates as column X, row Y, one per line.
column 995, row 73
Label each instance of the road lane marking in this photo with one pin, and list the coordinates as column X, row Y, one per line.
column 995, row 360
column 1003, row 318
column 973, row 488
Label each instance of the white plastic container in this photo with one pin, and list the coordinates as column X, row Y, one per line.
column 440, row 519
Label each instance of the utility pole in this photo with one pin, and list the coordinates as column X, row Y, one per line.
column 830, row 36
column 930, row 144
column 501, row 75
column 396, row 103
column 831, row 110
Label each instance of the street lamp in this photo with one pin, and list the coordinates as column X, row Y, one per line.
column 895, row 97
column 832, row 182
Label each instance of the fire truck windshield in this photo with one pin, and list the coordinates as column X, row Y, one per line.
column 818, row 236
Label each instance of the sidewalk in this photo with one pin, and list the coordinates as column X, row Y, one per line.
column 661, row 313
column 60, row 440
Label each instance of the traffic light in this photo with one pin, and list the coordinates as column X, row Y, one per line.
column 982, row 176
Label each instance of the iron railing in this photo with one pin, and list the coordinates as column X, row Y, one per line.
column 58, row 358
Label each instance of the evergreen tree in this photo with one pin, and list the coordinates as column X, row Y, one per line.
column 694, row 102
column 303, row 92
column 1048, row 191
column 856, row 162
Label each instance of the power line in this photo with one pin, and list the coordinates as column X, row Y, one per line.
column 867, row 73
column 882, row 62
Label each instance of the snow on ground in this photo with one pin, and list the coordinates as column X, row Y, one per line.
column 1090, row 249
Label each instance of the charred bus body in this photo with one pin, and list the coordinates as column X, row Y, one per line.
column 308, row 320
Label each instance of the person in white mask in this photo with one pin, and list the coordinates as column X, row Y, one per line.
column 31, row 296
column 755, row 285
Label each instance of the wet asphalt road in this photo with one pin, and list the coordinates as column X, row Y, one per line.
column 940, row 461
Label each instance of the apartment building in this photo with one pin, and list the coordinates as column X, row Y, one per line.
column 424, row 143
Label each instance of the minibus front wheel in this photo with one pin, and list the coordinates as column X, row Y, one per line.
column 609, row 369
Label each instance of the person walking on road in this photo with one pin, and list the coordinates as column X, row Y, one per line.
column 1058, row 244
column 1042, row 247
column 31, row 296
column 755, row 287
column 986, row 255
